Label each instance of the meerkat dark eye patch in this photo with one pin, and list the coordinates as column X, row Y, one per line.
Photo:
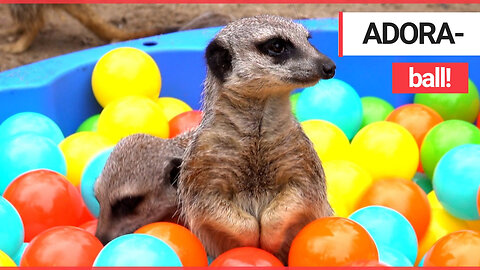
column 126, row 205
column 278, row 48
column 173, row 171
column 219, row 60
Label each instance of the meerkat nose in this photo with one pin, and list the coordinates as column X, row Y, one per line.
column 328, row 70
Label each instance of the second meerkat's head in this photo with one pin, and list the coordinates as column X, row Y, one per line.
column 264, row 53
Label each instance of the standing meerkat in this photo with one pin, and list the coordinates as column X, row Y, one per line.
column 250, row 176
column 138, row 184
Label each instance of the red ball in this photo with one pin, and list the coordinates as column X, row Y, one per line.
column 62, row 246
column 86, row 214
column 90, row 226
column 460, row 248
column 44, row 199
column 332, row 241
column 184, row 122
column 246, row 256
column 367, row 264
column 478, row 201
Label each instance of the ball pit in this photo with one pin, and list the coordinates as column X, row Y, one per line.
column 459, row 248
column 68, row 109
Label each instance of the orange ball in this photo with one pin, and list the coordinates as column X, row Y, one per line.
column 246, row 256
column 418, row 119
column 185, row 244
column 184, row 122
column 478, row 201
column 404, row 196
column 90, row 226
column 459, row 248
column 332, row 241
column 367, row 264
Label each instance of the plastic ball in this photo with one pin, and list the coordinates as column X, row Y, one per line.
column 92, row 171
column 365, row 263
column 293, row 102
column 332, row 100
column 172, row 107
column 90, row 226
column 131, row 115
column 441, row 224
column 137, row 250
column 388, row 228
column 25, row 152
column 184, row 122
column 185, row 244
column 329, row 141
column 403, row 196
column 11, row 228
column 19, row 254
column 346, row 184
column 456, row 181
column 78, row 149
column 422, row 181
column 125, row 72
column 416, row 118
column 31, row 122
column 478, row 201
column 62, row 246
column 332, row 241
column 86, row 215
column 44, row 199
column 393, row 257
column 374, row 109
column 91, row 124
column 455, row 249
column 247, row 257
column 386, row 150
column 443, row 137
column 453, row 106
column 5, row 260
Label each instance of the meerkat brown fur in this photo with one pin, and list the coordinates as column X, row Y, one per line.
column 138, row 184
column 250, row 176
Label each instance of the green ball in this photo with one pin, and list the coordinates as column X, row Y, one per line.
column 453, row 106
column 374, row 109
column 443, row 137
column 293, row 101
column 422, row 181
column 90, row 124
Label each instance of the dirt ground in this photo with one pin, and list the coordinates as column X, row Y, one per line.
column 62, row 34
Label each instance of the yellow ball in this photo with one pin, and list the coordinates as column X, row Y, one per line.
column 346, row 183
column 386, row 150
column 441, row 224
column 125, row 72
column 172, row 107
column 131, row 115
column 329, row 141
column 6, row 261
column 79, row 148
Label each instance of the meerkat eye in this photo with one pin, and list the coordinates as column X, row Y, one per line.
column 309, row 36
column 126, row 205
column 274, row 47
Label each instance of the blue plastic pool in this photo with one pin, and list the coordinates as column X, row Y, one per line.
column 60, row 87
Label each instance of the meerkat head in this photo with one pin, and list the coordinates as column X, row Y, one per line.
column 137, row 185
column 265, row 53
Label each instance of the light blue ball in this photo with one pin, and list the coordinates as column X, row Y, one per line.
column 137, row 250
column 90, row 174
column 334, row 101
column 25, row 152
column 420, row 264
column 388, row 228
column 31, row 122
column 393, row 257
column 18, row 256
column 456, row 181
column 11, row 228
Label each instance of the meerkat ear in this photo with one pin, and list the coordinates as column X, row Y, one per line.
column 219, row 60
column 172, row 170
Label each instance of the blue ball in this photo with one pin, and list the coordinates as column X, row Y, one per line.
column 18, row 256
column 90, row 174
column 456, row 181
column 420, row 264
column 25, row 152
column 388, row 228
column 31, row 122
column 137, row 250
column 393, row 257
column 334, row 101
column 11, row 228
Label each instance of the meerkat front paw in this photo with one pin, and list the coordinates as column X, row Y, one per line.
column 13, row 47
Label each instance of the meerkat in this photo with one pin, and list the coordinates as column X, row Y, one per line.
column 250, row 176
column 138, row 184
column 29, row 20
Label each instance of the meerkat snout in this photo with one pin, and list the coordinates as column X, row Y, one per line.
column 327, row 69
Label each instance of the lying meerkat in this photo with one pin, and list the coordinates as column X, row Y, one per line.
column 250, row 176
column 29, row 20
column 138, row 184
